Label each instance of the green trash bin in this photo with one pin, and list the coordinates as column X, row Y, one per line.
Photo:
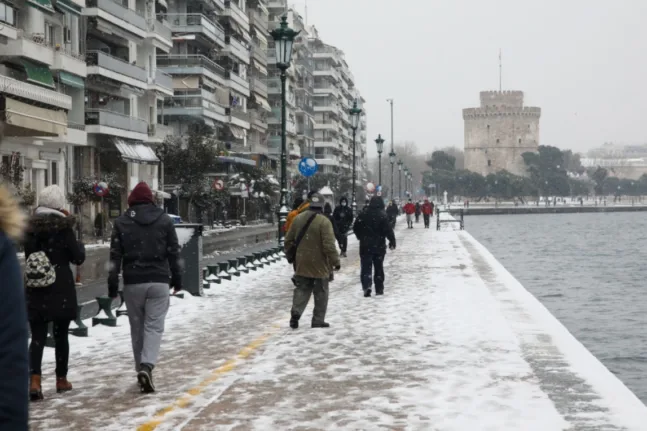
column 190, row 238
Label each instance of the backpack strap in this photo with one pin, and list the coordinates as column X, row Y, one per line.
column 303, row 231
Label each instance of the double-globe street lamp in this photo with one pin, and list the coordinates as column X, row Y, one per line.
column 400, row 180
column 354, row 112
column 380, row 147
column 283, row 40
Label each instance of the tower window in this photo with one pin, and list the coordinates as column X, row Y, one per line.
column 488, row 126
column 489, row 162
column 497, row 141
column 519, row 140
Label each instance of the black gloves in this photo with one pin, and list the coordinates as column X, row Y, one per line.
column 337, row 267
column 391, row 246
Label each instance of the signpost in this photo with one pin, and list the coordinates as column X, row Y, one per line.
column 219, row 185
column 308, row 167
column 101, row 189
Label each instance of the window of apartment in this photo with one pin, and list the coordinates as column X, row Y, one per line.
column 54, row 173
column 497, row 141
column 519, row 140
column 7, row 14
column 50, row 30
column 489, row 162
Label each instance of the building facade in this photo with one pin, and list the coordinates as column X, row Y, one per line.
column 499, row 132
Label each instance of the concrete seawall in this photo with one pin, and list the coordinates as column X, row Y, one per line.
column 545, row 210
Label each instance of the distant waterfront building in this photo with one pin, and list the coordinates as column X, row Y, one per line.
column 499, row 132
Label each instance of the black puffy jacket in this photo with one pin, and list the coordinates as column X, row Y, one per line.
column 372, row 228
column 145, row 243
column 343, row 216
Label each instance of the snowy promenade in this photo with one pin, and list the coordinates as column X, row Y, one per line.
column 456, row 343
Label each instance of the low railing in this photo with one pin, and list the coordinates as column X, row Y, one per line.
column 117, row 9
column 163, row 79
column 100, row 117
column 259, row 55
column 259, row 21
column 159, row 26
column 193, row 101
column 237, row 47
column 237, row 79
column 75, row 126
column 107, row 61
column 190, row 60
column 181, row 22
column 241, row 115
column 258, row 85
column 236, row 12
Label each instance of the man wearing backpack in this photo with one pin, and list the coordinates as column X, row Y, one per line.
column 316, row 256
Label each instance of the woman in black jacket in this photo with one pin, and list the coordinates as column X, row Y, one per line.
column 14, row 363
column 51, row 231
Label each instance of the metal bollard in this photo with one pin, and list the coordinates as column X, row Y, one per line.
column 263, row 258
column 81, row 330
column 105, row 305
column 212, row 275
column 257, row 260
column 250, row 262
column 223, row 270
column 233, row 267
column 268, row 256
column 242, row 265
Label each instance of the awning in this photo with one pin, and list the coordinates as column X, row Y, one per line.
column 135, row 152
column 259, row 34
column 236, row 131
column 23, row 119
column 38, row 74
column 71, row 80
column 67, row 6
column 239, row 160
column 262, row 7
column 260, row 68
column 45, row 5
column 186, row 82
column 263, row 102
column 162, row 194
column 184, row 37
column 163, row 4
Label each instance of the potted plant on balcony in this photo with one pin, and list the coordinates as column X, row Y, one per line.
column 57, row 46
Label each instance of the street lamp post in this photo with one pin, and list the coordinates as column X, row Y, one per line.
column 283, row 39
column 392, row 160
column 354, row 112
column 406, row 176
column 380, row 147
column 400, row 180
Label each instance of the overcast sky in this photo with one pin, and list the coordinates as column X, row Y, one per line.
column 581, row 61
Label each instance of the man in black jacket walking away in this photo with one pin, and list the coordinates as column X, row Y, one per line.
column 372, row 228
column 145, row 242
column 343, row 216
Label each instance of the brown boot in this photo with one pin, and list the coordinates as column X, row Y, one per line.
column 35, row 392
column 62, row 385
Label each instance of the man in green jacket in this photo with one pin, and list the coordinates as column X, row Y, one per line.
column 316, row 257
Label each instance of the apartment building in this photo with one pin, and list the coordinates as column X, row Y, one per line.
column 42, row 80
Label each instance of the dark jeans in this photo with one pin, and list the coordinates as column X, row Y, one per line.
column 37, row 345
column 343, row 241
column 372, row 262
column 426, row 219
column 417, row 218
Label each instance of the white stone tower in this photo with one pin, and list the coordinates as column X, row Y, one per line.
column 497, row 133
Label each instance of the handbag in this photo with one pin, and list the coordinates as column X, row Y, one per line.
column 291, row 253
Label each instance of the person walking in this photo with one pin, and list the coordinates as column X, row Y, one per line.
column 343, row 216
column 14, row 358
column 418, row 211
column 427, row 211
column 144, row 243
column 50, row 247
column 327, row 211
column 409, row 210
column 313, row 237
column 372, row 228
column 392, row 213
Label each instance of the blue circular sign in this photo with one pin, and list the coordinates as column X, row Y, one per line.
column 308, row 166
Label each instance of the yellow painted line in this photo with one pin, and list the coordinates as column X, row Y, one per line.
column 186, row 399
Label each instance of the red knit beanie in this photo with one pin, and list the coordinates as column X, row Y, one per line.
column 141, row 194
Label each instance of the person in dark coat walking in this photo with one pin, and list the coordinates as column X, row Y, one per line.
column 392, row 212
column 343, row 216
column 145, row 244
column 418, row 211
column 372, row 228
column 51, row 230
column 14, row 358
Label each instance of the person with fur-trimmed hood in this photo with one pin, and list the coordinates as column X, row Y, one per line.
column 14, row 358
column 51, row 231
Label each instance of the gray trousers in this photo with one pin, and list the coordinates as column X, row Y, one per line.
column 311, row 286
column 147, row 305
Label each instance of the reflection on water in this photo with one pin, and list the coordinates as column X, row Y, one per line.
column 589, row 270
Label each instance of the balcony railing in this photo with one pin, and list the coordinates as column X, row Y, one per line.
column 159, row 26
column 258, row 85
column 117, row 9
column 237, row 79
column 100, row 117
column 189, row 60
column 259, row 20
column 163, row 79
column 236, row 13
column 237, row 48
column 107, row 61
column 259, row 55
column 193, row 101
column 241, row 115
column 196, row 23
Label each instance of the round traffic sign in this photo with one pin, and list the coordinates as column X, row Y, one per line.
column 370, row 187
column 219, row 185
column 308, row 166
column 100, row 188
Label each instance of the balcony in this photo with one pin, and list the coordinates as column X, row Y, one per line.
column 160, row 30
column 331, row 126
column 115, row 123
column 260, row 55
column 258, row 86
column 327, row 159
column 16, row 86
column 191, row 65
column 163, row 83
column 237, row 49
column 328, row 142
column 258, row 20
column 198, row 24
column 239, row 118
column 234, row 12
column 195, row 103
column 158, row 132
column 100, row 63
column 117, row 14
column 238, row 84
column 258, row 121
column 66, row 60
column 30, row 45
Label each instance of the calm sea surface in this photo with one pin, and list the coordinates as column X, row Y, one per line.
column 590, row 271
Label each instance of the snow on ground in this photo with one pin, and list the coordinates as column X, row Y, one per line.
column 455, row 344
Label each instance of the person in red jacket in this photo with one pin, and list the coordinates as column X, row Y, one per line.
column 410, row 210
column 427, row 211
